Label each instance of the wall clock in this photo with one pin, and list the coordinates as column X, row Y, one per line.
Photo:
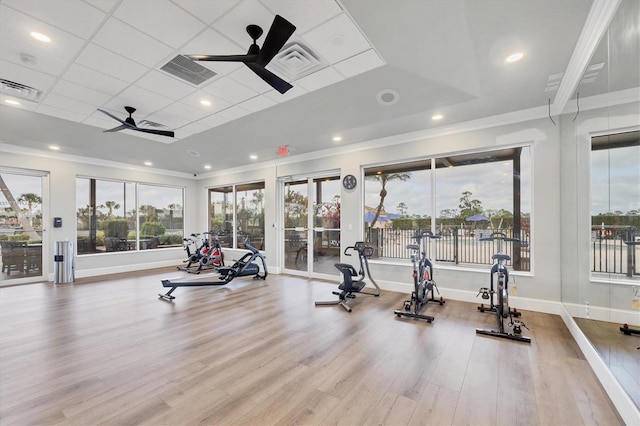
column 349, row 182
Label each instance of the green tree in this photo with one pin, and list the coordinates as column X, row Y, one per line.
column 383, row 179
column 402, row 208
column 468, row 206
column 149, row 213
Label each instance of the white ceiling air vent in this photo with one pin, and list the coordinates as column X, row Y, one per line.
column 188, row 70
column 295, row 61
column 11, row 88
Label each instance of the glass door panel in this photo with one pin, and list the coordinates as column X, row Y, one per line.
column 326, row 226
column 296, row 217
column 21, row 219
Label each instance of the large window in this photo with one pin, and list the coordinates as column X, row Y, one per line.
column 109, row 218
column 615, row 205
column 469, row 196
column 236, row 213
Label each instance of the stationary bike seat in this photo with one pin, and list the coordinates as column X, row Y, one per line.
column 501, row 256
column 345, row 268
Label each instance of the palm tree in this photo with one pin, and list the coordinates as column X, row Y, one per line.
column 31, row 199
column 172, row 207
column 385, row 178
column 111, row 205
column 16, row 209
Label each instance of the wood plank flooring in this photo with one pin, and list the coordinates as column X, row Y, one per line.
column 111, row 352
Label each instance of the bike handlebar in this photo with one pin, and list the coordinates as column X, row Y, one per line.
column 366, row 251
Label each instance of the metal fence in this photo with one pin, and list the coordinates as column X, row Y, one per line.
column 614, row 249
column 455, row 245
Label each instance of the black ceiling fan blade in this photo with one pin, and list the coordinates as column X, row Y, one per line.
column 278, row 34
column 224, row 58
column 276, row 82
column 113, row 116
column 116, row 129
column 155, row 131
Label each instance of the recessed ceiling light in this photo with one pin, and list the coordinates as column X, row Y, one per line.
column 514, row 57
column 40, row 37
column 337, row 138
column 253, row 157
column 11, row 102
column 437, row 117
column 205, row 102
column 208, row 167
column 148, row 163
column 54, row 147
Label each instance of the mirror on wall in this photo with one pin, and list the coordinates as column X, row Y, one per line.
column 600, row 132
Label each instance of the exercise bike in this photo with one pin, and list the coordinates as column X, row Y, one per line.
column 245, row 266
column 353, row 281
column 423, row 282
column 498, row 296
column 205, row 256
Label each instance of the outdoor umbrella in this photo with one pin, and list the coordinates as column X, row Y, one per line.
column 477, row 218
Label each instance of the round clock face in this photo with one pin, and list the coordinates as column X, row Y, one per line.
column 349, row 182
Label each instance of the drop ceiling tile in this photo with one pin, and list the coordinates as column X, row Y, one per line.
column 27, row 76
column 217, row 104
column 233, row 113
column 187, row 112
column 229, row 90
column 320, row 79
column 98, row 119
column 305, row 15
column 258, row 103
column 160, row 19
column 80, row 93
column 22, row 104
column 191, row 129
column 290, row 94
column 337, row 39
column 213, row 120
column 248, row 78
column 68, row 104
column 120, row 38
column 82, row 20
column 105, row 61
column 168, row 119
column 143, row 100
column 104, row 5
column 211, row 42
column 358, row 64
column 51, row 58
column 56, row 111
column 93, row 79
column 234, row 24
column 171, row 87
column 207, row 10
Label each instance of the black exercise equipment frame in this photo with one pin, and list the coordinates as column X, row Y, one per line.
column 244, row 266
column 499, row 269
column 349, row 286
column 422, row 285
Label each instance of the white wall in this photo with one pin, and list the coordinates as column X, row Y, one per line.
column 62, row 203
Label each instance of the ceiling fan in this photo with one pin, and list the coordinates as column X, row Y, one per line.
column 130, row 124
column 257, row 58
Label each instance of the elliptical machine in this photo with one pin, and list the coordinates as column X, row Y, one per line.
column 500, row 305
column 353, row 281
column 423, row 282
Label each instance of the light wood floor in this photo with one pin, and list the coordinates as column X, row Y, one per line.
column 259, row 352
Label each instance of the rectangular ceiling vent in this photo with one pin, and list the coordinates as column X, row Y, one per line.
column 295, row 61
column 11, row 88
column 188, row 70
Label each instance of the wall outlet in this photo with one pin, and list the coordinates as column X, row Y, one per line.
column 635, row 304
column 514, row 290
